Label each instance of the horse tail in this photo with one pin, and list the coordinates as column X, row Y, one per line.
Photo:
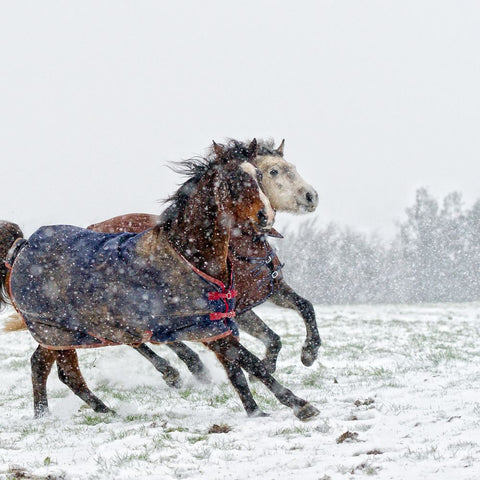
column 9, row 232
column 13, row 323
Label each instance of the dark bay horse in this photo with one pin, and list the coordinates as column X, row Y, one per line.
column 257, row 268
column 77, row 288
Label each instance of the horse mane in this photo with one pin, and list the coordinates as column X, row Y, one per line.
column 194, row 169
column 266, row 147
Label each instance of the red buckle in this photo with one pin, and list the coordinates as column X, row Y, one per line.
column 221, row 315
column 222, row 295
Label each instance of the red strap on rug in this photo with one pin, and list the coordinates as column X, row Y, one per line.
column 222, row 315
column 222, row 295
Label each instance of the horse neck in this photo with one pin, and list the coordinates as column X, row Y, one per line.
column 199, row 234
column 246, row 242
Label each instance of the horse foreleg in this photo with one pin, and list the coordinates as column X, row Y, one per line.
column 251, row 323
column 234, row 351
column 41, row 362
column 191, row 360
column 237, row 379
column 170, row 374
column 285, row 296
column 70, row 374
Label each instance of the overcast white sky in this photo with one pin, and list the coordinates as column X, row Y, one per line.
column 374, row 99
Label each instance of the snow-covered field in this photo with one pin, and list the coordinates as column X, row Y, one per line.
column 403, row 381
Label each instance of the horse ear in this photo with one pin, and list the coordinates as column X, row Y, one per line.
column 253, row 148
column 279, row 150
column 217, row 149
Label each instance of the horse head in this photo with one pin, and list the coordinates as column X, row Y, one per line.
column 222, row 193
column 242, row 199
column 284, row 187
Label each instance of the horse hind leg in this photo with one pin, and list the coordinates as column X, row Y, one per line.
column 70, row 374
column 41, row 362
column 234, row 351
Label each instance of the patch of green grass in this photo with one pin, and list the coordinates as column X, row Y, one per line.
column 220, row 399
column 312, row 379
column 177, row 428
column 92, row 419
column 138, row 417
column 121, row 460
column 161, row 440
column 27, row 430
column 197, row 438
column 444, row 354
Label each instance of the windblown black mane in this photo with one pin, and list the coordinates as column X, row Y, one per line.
column 194, row 169
column 264, row 147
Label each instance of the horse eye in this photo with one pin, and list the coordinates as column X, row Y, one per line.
column 273, row 172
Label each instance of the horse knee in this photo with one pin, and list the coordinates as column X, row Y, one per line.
column 305, row 308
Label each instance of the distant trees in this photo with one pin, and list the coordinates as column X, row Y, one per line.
column 434, row 257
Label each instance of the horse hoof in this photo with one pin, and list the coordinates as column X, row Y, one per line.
column 310, row 353
column 172, row 377
column 41, row 412
column 102, row 408
column 257, row 413
column 306, row 412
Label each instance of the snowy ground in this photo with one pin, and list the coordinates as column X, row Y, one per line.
column 404, row 381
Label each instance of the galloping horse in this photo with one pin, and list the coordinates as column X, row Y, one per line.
column 77, row 288
column 257, row 268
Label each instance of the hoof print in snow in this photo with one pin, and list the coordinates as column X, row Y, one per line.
column 348, row 437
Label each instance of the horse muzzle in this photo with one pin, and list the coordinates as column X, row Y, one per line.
column 307, row 201
column 265, row 221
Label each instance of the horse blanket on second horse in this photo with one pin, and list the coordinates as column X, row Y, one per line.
column 78, row 288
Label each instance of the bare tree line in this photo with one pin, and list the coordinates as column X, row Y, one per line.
column 434, row 257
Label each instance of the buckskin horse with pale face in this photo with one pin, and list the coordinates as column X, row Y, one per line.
column 257, row 268
column 76, row 288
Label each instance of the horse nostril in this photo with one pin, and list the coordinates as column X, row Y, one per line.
column 309, row 197
column 262, row 218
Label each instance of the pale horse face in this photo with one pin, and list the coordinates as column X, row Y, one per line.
column 267, row 212
column 284, row 187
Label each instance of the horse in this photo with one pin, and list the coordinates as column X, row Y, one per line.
column 257, row 267
column 76, row 288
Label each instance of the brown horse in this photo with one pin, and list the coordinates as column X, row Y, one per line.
column 76, row 288
column 257, row 268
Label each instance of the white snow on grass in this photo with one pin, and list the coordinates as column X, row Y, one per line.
column 398, row 384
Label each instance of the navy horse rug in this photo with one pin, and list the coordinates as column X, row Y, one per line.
column 78, row 288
